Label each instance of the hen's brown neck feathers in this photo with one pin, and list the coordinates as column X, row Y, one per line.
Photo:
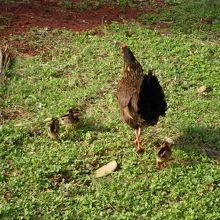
column 132, row 73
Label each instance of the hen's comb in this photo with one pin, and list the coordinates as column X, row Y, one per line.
column 123, row 45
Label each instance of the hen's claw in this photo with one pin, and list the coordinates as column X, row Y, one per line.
column 140, row 150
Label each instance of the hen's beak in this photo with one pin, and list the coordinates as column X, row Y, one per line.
column 123, row 46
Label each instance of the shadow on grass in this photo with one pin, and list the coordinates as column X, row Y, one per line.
column 91, row 124
column 202, row 139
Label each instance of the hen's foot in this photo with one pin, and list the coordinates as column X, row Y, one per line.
column 140, row 150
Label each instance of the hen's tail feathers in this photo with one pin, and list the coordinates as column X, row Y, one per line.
column 152, row 103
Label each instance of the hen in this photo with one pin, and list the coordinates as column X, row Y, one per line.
column 140, row 97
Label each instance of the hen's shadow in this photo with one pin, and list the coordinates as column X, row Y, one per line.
column 204, row 139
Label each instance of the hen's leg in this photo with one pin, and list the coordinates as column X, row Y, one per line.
column 135, row 142
column 138, row 134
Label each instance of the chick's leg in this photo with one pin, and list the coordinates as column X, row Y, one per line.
column 165, row 164
column 68, row 128
column 159, row 165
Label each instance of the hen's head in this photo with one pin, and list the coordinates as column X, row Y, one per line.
column 128, row 55
column 129, row 59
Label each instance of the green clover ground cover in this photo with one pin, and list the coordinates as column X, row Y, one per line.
column 43, row 179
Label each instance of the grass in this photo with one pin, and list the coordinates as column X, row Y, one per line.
column 90, row 4
column 82, row 5
column 195, row 17
column 42, row 179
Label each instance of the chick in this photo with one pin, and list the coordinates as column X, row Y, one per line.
column 53, row 130
column 71, row 119
column 163, row 155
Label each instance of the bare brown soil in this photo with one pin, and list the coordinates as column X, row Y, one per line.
column 42, row 13
column 16, row 19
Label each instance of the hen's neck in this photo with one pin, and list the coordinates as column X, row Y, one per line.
column 133, row 73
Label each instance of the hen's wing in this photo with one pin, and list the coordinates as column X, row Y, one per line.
column 128, row 94
column 124, row 93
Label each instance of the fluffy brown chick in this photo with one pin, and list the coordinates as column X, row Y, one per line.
column 53, row 129
column 163, row 154
column 70, row 119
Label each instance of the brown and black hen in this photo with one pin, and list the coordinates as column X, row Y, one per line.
column 140, row 97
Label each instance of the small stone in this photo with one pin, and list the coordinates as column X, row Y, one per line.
column 169, row 140
column 106, row 169
column 47, row 119
column 203, row 89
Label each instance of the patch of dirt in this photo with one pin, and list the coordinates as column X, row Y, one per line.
column 42, row 13
column 60, row 178
column 7, row 196
column 211, row 152
column 205, row 20
column 163, row 27
column 23, row 47
column 18, row 18
column 11, row 114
